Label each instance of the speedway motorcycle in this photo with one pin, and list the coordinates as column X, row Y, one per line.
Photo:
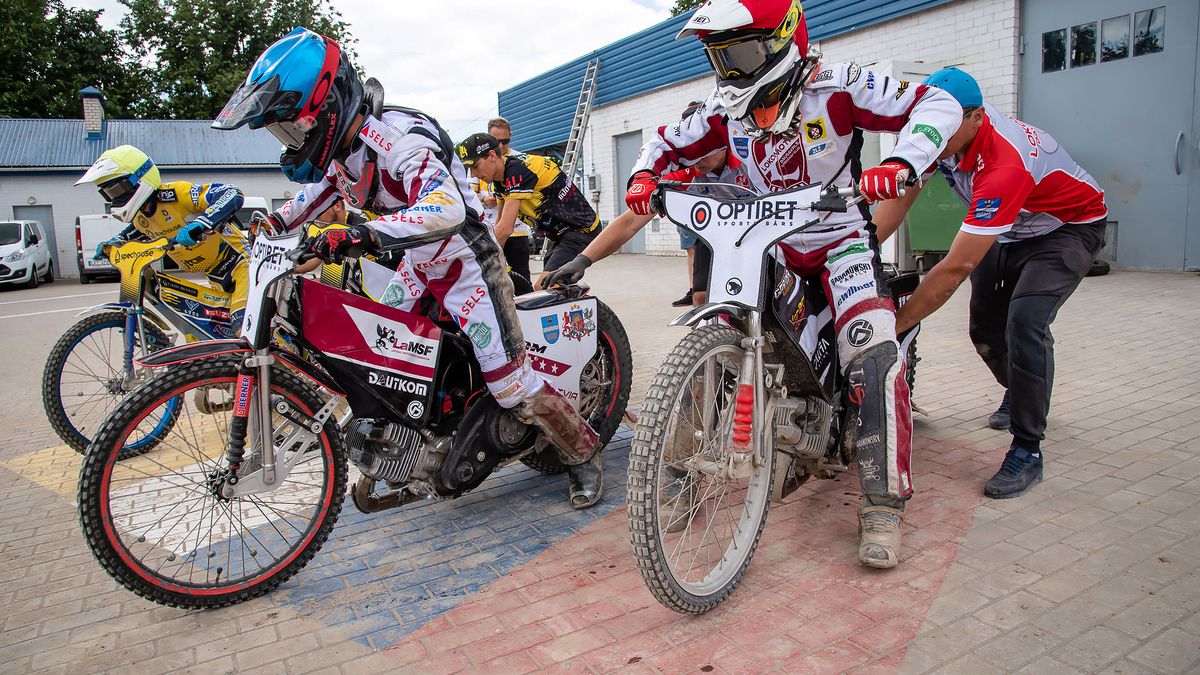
column 246, row 483
column 747, row 407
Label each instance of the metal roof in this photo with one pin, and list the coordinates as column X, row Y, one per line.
column 49, row 144
column 540, row 109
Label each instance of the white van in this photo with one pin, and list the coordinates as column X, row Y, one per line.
column 249, row 206
column 24, row 253
column 89, row 232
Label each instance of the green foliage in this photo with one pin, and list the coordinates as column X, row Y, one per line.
column 51, row 52
column 196, row 52
column 682, row 6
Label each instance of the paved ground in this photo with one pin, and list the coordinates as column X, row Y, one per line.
column 1096, row 570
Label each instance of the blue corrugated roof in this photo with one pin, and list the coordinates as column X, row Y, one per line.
column 29, row 143
column 540, row 109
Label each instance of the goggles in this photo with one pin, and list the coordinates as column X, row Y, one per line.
column 291, row 134
column 745, row 57
column 117, row 192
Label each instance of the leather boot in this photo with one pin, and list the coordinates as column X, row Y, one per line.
column 879, row 536
column 585, row 482
column 562, row 425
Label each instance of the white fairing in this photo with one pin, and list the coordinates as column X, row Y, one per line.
column 268, row 262
column 717, row 15
column 375, row 278
column 559, row 341
column 737, row 269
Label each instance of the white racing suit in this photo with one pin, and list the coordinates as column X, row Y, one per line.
column 839, row 103
column 404, row 166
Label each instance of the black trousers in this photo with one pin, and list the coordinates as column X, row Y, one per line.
column 516, row 252
column 572, row 244
column 1016, row 292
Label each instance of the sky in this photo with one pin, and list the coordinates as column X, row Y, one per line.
column 448, row 58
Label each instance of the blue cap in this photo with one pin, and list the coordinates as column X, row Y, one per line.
column 958, row 84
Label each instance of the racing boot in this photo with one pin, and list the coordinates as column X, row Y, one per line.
column 562, row 425
column 585, row 482
column 879, row 536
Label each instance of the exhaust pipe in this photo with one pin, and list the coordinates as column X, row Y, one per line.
column 366, row 501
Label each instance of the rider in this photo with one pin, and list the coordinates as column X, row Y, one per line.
column 793, row 121
column 129, row 181
column 533, row 188
column 1035, row 223
column 400, row 163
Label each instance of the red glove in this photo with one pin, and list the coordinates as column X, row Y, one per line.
column 685, row 175
column 641, row 186
column 883, row 182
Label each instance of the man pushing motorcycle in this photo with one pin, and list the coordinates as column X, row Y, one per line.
column 793, row 121
column 338, row 142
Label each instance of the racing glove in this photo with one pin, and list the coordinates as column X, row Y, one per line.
column 193, row 233
column 641, row 186
column 884, row 181
column 335, row 245
column 101, row 254
column 569, row 273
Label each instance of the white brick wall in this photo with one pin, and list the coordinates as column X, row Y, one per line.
column 979, row 36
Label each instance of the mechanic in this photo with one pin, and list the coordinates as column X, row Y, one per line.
column 533, row 188
column 401, row 163
column 1035, row 222
column 792, row 121
column 130, row 183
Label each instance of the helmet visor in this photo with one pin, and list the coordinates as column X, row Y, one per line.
column 257, row 104
column 743, row 58
column 117, row 192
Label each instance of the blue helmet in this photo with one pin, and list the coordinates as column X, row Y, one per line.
column 305, row 91
column 958, row 84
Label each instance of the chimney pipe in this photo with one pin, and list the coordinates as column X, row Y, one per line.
column 93, row 112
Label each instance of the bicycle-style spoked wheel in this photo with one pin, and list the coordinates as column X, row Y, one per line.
column 695, row 512
column 84, row 379
column 159, row 523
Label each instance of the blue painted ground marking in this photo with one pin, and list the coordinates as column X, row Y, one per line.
column 384, row 575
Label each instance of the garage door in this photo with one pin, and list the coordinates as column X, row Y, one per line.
column 1116, row 82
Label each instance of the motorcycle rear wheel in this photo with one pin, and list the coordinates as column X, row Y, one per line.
column 691, row 552
column 156, row 522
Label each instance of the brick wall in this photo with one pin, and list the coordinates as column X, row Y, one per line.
column 979, row 36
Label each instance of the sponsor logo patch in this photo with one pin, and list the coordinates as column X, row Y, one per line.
column 815, row 130
column 985, row 209
column 741, row 145
column 480, row 334
column 578, row 323
column 903, row 88
column 928, row 132
column 392, row 381
column 855, row 289
column 860, row 332
column 550, row 329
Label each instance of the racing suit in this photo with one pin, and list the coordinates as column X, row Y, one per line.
column 221, row 257
column 838, row 104
column 405, row 166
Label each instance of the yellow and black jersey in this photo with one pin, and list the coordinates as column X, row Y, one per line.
column 181, row 202
column 550, row 202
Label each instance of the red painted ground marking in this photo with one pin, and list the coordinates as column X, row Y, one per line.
column 806, row 605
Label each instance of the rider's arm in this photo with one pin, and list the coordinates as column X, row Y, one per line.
column 311, row 201
column 507, row 220
column 624, row 226
column 987, row 218
column 437, row 205
column 216, row 202
column 685, row 141
column 889, row 214
column 924, row 117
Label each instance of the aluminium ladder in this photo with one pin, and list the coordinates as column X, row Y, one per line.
column 583, row 110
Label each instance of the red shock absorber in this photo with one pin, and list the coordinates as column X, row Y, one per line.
column 743, row 416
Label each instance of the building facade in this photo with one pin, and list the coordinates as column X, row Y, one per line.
column 40, row 160
column 1058, row 65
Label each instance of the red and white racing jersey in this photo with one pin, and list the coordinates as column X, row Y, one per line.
column 1019, row 183
column 839, row 102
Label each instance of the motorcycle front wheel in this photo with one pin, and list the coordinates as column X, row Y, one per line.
column 158, row 522
column 695, row 516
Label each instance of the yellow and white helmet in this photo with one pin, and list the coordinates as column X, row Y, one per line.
column 126, row 177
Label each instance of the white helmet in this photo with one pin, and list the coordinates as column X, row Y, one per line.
column 759, row 50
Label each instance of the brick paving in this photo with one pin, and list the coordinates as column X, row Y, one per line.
column 1095, row 570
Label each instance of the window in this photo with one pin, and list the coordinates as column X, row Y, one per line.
column 1083, row 45
column 1054, row 50
column 1114, row 38
column 1149, row 27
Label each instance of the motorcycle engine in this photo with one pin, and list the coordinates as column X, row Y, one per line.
column 802, row 426
column 392, row 452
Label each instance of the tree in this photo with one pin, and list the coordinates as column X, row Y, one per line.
column 51, row 52
column 682, row 6
column 197, row 51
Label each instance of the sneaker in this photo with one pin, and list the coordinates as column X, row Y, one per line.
column 1020, row 471
column 685, row 301
column 1001, row 418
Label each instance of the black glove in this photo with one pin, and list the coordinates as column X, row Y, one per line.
column 335, row 245
column 569, row 273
